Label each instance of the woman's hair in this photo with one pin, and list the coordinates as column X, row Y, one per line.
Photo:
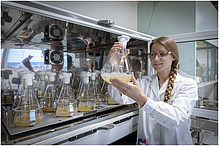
column 171, row 46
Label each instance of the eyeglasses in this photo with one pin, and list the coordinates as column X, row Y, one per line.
column 160, row 55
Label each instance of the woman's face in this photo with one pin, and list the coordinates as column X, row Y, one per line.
column 164, row 62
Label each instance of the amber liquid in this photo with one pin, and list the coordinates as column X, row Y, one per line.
column 47, row 109
column 23, row 118
column 64, row 111
column 121, row 76
column 111, row 101
column 85, row 106
column 48, row 106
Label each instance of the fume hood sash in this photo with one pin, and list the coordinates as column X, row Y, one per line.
column 71, row 17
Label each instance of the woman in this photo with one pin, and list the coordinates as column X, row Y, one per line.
column 165, row 99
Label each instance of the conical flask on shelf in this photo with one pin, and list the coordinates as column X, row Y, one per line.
column 104, row 92
column 20, row 89
column 51, row 94
column 66, row 104
column 41, row 87
column 101, row 102
column 86, row 98
column 117, row 64
column 28, row 112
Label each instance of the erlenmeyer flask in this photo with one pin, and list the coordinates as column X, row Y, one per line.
column 117, row 64
column 28, row 112
column 20, row 89
column 66, row 104
column 86, row 99
column 51, row 94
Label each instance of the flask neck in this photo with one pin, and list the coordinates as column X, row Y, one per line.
column 66, row 91
column 86, row 87
column 27, row 96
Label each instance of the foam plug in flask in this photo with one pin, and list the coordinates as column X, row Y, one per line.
column 51, row 94
column 66, row 104
column 117, row 64
column 86, row 98
column 28, row 112
column 41, row 87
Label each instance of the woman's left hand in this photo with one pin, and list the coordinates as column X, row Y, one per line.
column 131, row 90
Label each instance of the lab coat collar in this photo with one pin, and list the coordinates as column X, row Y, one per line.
column 178, row 78
column 155, row 86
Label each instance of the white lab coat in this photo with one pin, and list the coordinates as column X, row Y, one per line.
column 159, row 122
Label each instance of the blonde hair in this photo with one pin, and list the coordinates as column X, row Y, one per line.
column 171, row 46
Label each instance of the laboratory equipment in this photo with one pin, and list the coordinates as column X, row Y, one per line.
column 86, row 98
column 20, row 89
column 105, row 94
column 51, row 94
column 28, row 112
column 100, row 93
column 41, row 87
column 117, row 65
column 66, row 104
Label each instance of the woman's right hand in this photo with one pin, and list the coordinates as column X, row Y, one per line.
column 114, row 56
column 115, row 49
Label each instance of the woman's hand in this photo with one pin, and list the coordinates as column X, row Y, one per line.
column 114, row 56
column 115, row 50
column 131, row 90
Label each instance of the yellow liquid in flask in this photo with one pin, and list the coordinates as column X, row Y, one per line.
column 23, row 119
column 121, row 76
column 65, row 111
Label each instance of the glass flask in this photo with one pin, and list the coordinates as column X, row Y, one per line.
column 105, row 95
column 28, row 112
column 20, row 89
column 51, row 94
column 66, row 104
column 86, row 98
column 100, row 97
column 41, row 87
column 117, row 64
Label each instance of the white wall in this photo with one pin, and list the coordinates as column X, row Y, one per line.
column 206, row 16
column 122, row 13
column 176, row 17
column 166, row 18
